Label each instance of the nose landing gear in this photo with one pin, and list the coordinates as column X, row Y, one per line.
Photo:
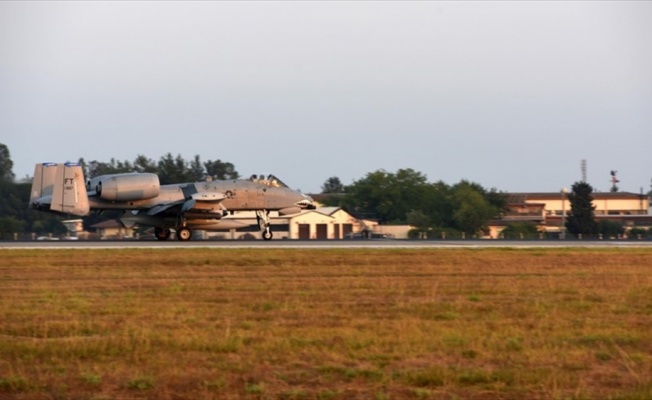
column 262, row 216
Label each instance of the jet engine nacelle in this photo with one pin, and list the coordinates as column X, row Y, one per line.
column 125, row 187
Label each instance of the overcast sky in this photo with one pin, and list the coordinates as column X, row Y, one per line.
column 511, row 95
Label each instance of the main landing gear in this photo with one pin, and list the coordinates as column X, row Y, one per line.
column 262, row 216
column 162, row 233
column 183, row 234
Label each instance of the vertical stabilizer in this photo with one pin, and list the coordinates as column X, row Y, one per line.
column 43, row 181
column 69, row 190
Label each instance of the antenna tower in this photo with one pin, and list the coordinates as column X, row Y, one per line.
column 583, row 167
column 614, row 181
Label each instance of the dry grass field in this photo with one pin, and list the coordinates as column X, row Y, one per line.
column 326, row 324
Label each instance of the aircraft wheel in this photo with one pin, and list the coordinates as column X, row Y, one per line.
column 162, row 233
column 267, row 235
column 184, row 234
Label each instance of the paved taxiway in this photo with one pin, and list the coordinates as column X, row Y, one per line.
column 327, row 244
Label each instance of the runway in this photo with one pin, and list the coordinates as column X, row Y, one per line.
column 324, row 244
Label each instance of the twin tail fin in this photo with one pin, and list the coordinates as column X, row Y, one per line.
column 59, row 188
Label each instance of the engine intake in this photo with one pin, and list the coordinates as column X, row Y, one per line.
column 125, row 187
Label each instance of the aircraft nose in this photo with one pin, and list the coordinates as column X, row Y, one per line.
column 306, row 203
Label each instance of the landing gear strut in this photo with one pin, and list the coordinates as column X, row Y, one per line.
column 263, row 223
column 162, row 233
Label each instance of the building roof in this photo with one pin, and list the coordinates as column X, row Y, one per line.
column 522, row 196
column 526, row 204
column 327, row 210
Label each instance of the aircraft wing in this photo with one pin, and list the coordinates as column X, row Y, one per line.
column 210, row 197
column 199, row 198
column 194, row 200
column 162, row 207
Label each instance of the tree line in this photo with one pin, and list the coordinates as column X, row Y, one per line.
column 406, row 197
column 16, row 218
column 435, row 209
column 462, row 210
column 170, row 169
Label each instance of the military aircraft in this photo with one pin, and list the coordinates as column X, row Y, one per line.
column 61, row 189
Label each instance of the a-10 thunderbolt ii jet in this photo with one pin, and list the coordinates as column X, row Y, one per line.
column 60, row 188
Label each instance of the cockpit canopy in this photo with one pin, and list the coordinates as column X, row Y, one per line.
column 271, row 181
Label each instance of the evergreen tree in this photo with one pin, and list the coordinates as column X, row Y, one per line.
column 96, row 168
column 220, row 170
column 173, row 170
column 6, row 165
column 196, row 170
column 144, row 164
column 581, row 218
column 332, row 185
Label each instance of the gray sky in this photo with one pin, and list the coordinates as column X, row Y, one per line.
column 511, row 95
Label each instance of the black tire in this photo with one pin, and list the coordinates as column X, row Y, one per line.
column 184, row 234
column 162, row 233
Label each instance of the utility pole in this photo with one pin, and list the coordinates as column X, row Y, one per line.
column 562, row 227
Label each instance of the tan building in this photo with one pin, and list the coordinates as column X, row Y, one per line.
column 549, row 210
column 321, row 223
column 112, row 229
column 609, row 203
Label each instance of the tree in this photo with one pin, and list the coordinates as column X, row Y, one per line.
column 473, row 209
column 6, row 165
column 418, row 219
column 11, row 203
column 636, row 233
column 96, row 168
column 387, row 196
column 145, row 164
column 406, row 196
column 369, row 197
column 610, row 229
column 220, row 170
column 172, row 170
column 439, row 205
column 84, row 166
column 518, row 230
column 196, row 170
column 10, row 226
column 581, row 218
column 332, row 185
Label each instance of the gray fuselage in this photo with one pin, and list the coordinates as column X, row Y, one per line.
column 239, row 195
